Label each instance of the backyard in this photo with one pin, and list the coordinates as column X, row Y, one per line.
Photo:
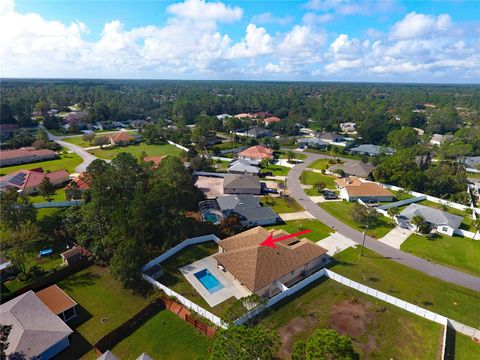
column 372, row 269
column 137, row 150
column 458, row 252
column 281, row 205
column 67, row 161
column 342, row 211
column 103, row 306
column 58, row 196
column 165, row 336
column 175, row 280
column 319, row 230
column 378, row 330
column 466, row 348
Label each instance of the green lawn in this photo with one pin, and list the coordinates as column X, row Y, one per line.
column 342, row 210
column 65, row 161
column 165, row 336
column 338, row 156
column 58, row 196
column 457, row 252
column 276, row 170
column 283, row 155
column 175, row 280
column 137, row 150
column 78, row 140
column 466, row 348
column 378, row 330
column 281, row 204
column 372, row 269
column 313, row 178
column 321, row 164
column 319, row 230
column 227, row 145
column 103, row 306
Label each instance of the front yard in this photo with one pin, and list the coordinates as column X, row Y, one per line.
column 67, row 161
column 314, row 178
column 319, row 230
column 276, row 170
column 321, row 164
column 342, row 211
column 458, row 252
column 281, row 205
column 78, row 140
column 165, row 336
column 137, row 150
column 372, row 269
column 378, row 330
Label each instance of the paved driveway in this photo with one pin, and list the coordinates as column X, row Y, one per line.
column 436, row 270
column 396, row 237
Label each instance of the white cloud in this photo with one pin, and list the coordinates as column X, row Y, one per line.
column 256, row 42
column 313, row 19
column 269, row 18
column 414, row 25
column 200, row 10
column 349, row 7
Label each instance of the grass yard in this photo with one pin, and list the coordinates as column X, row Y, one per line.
column 450, row 300
column 342, row 209
column 378, row 330
column 321, row 164
column 466, row 348
column 67, row 161
column 281, row 204
column 103, row 306
column 276, row 170
column 58, row 196
column 338, row 156
column 319, row 230
column 313, row 178
column 467, row 220
column 457, row 252
column 165, row 336
column 78, row 140
column 175, row 280
column 137, row 150
column 283, row 155
column 227, row 145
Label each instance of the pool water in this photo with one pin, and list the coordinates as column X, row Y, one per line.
column 210, row 218
column 209, row 281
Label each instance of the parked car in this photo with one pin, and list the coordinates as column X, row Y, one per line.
column 329, row 195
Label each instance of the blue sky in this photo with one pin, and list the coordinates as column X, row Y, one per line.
column 324, row 40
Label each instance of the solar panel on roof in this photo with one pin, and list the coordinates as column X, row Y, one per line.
column 18, row 179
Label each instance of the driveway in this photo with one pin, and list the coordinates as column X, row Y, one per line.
column 85, row 155
column 436, row 270
column 336, row 243
column 396, row 237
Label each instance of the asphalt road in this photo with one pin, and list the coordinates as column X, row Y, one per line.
column 436, row 270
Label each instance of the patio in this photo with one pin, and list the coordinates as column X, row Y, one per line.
column 229, row 287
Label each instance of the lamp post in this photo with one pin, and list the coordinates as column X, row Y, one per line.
column 363, row 242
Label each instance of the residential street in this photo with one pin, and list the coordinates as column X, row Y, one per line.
column 86, row 156
column 436, row 270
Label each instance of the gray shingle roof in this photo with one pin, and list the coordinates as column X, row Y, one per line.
column 431, row 215
column 312, row 141
column 35, row 327
column 256, row 214
column 237, row 181
column 238, row 167
column 228, row 202
column 472, row 161
column 355, row 168
column 107, row 355
column 371, row 149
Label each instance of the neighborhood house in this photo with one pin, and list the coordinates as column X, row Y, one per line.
column 58, row 302
column 242, row 166
column 352, row 168
column 24, row 156
column 257, row 152
column 248, row 208
column 28, row 181
column 241, row 184
column 371, row 150
column 353, row 189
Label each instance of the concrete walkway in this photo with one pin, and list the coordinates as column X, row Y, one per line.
column 336, row 243
column 396, row 237
column 86, row 156
column 296, row 216
column 432, row 269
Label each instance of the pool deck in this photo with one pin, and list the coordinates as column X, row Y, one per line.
column 229, row 287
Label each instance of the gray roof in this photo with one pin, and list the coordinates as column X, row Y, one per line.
column 35, row 327
column 229, row 202
column 356, row 168
column 312, row 141
column 431, row 215
column 257, row 131
column 107, row 355
column 237, row 181
column 372, row 149
column 238, row 167
column 325, row 135
column 255, row 214
column 144, row 356
column 472, row 161
column 245, row 162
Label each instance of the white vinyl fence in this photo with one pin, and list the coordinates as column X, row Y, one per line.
column 57, row 204
column 402, row 202
column 177, row 145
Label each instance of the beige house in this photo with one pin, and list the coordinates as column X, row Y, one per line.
column 264, row 270
column 24, row 156
column 354, row 189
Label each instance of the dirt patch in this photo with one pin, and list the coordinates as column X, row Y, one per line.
column 349, row 317
column 288, row 333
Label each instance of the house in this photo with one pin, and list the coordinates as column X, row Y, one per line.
column 348, row 127
column 472, row 163
column 353, row 189
column 371, row 150
column 75, row 117
column 330, row 137
column 242, row 166
column 256, row 132
column 352, row 168
column 108, row 355
column 28, row 181
column 265, row 270
column 312, row 142
column 438, row 139
column 442, row 221
column 257, row 152
column 261, row 114
column 271, row 120
column 75, row 189
column 37, row 332
column 7, row 131
column 248, row 208
column 73, row 255
column 139, row 124
column 244, row 116
column 121, row 138
column 24, row 155
column 224, row 116
column 156, row 160
column 241, row 184
column 58, row 302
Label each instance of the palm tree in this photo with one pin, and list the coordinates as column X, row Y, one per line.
column 418, row 221
column 393, row 212
column 290, row 155
column 476, row 225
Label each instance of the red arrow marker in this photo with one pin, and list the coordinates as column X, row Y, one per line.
column 270, row 241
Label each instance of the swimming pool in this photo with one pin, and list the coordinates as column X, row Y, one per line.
column 209, row 281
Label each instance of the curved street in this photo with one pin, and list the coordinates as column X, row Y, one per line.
column 436, row 270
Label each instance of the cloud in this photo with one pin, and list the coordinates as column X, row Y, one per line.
column 269, row 18
column 312, row 19
column 414, row 25
column 256, row 42
column 349, row 7
column 200, row 10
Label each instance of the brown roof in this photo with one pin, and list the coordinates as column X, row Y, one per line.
column 257, row 152
column 83, row 181
column 74, row 251
column 56, row 299
column 356, row 187
column 155, row 159
column 272, row 119
column 257, row 266
column 24, row 152
column 27, row 179
column 121, row 137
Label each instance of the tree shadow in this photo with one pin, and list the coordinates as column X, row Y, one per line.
column 79, row 280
